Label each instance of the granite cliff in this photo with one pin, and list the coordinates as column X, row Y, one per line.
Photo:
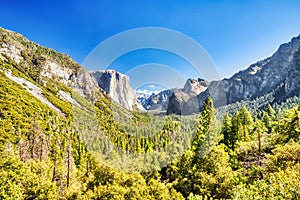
column 52, row 69
column 117, row 86
column 178, row 100
column 278, row 75
column 279, row 72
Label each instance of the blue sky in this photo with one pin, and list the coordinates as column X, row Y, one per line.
column 234, row 33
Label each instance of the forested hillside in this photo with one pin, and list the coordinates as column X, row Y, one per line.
column 60, row 140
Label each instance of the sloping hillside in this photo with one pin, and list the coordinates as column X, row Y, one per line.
column 50, row 107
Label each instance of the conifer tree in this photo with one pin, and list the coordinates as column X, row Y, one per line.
column 246, row 122
column 236, row 129
column 271, row 112
column 208, row 129
column 227, row 131
column 290, row 126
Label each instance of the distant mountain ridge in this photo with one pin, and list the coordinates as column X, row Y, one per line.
column 280, row 73
column 277, row 76
column 160, row 101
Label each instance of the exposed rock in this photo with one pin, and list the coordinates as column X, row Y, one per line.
column 84, row 83
column 51, row 69
column 33, row 90
column 279, row 72
column 182, row 103
column 158, row 102
column 182, row 100
column 185, row 101
column 263, row 77
column 56, row 67
column 142, row 97
column 117, row 86
column 194, row 87
column 67, row 97
column 80, row 80
column 185, row 97
column 174, row 106
column 292, row 81
column 137, row 104
column 11, row 51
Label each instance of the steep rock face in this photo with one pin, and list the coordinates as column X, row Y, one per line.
column 85, row 84
column 292, row 82
column 279, row 70
column 80, row 80
column 185, row 101
column 182, row 103
column 159, row 101
column 48, row 68
column 181, row 99
column 174, row 106
column 279, row 73
column 44, row 65
column 194, row 87
column 117, row 86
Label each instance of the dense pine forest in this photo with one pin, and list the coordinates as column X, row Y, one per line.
column 98, row 150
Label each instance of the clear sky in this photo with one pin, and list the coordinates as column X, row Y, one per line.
column 234, row 33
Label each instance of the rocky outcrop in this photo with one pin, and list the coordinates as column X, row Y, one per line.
column 182, row 103
column 279, row 73
column 292, row 82
column 48, row 67
column 44, row 65
column 176, row 100
column 185, row 101
column 261, row 78
column 194, row 87
column 158, row 102
column 174, row 106
column 11, row 51
column 80, row 80
column 117, row 86
column 83, row 83
column 86, row 83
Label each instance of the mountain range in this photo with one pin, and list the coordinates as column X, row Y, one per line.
column 70, row 133
column 50, row 69
column 277, row 76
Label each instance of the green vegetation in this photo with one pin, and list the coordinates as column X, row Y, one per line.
column 102, row 151
column 42, row 156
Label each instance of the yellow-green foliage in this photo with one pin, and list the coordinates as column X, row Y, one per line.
column 45, row 155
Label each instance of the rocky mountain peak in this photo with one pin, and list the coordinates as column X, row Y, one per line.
column 280, row 73
column 194, row 87
column 117, row 86
column 50, row 66
column 158, row 101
